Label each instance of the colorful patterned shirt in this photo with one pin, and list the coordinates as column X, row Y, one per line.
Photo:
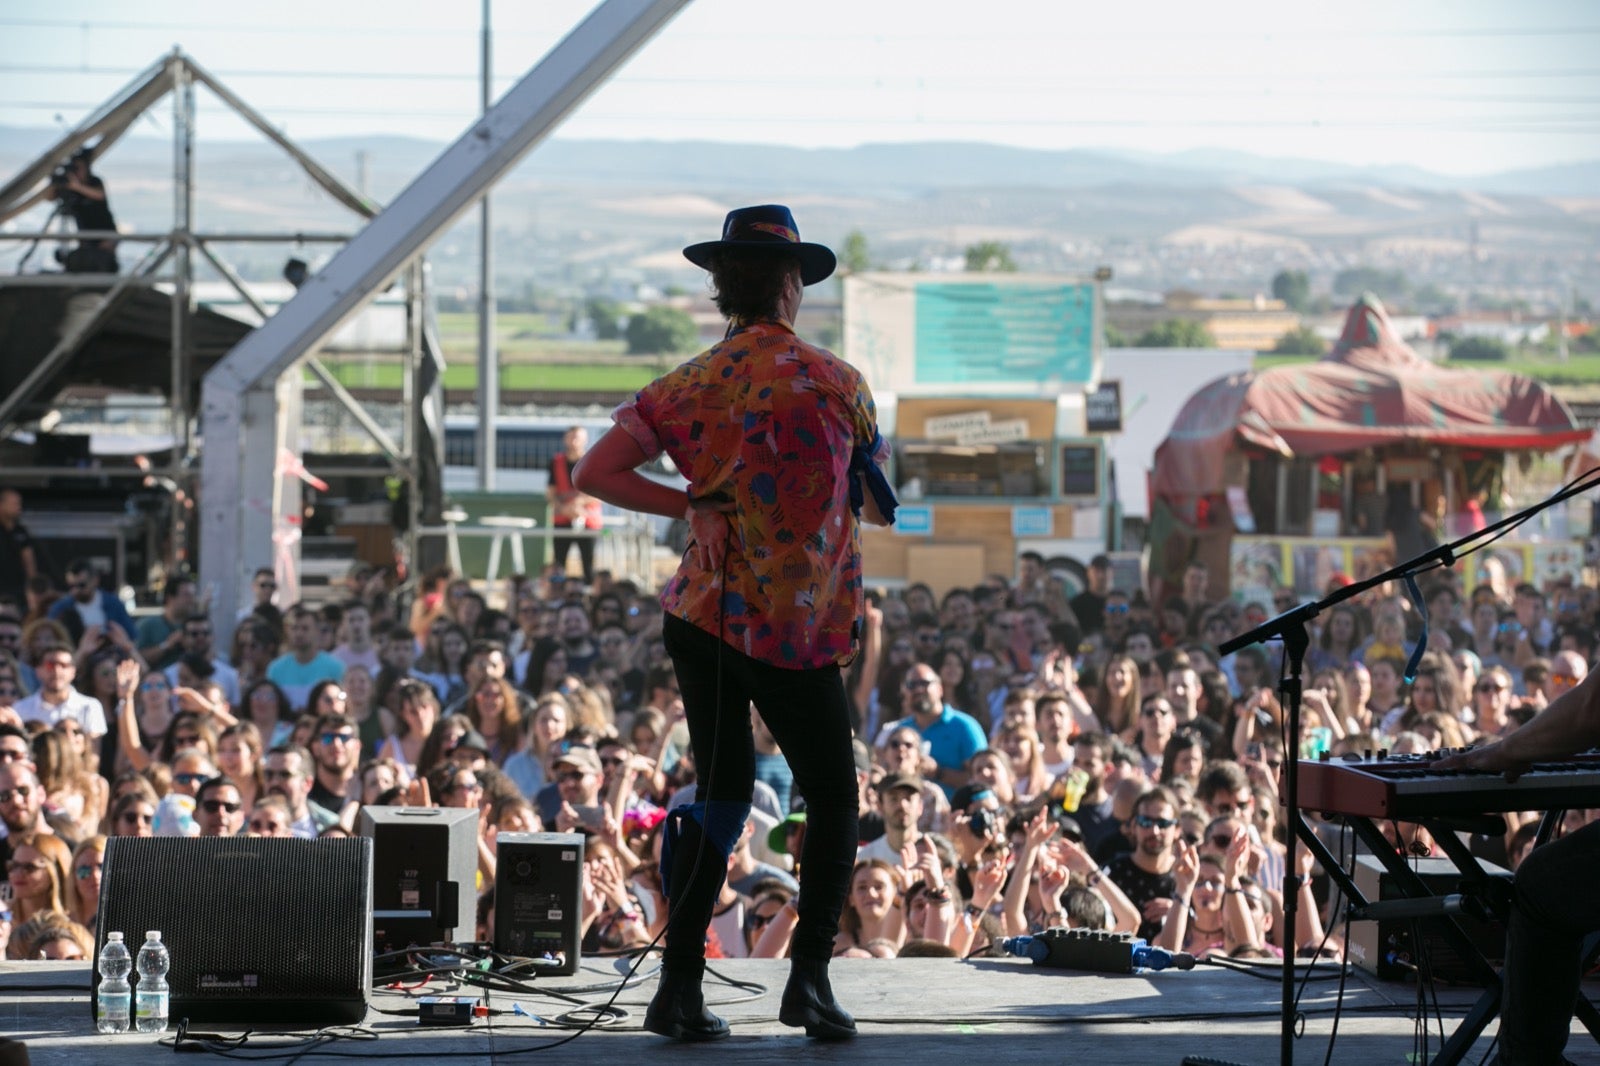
column 770, row 421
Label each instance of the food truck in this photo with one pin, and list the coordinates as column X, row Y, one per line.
column 988, row 388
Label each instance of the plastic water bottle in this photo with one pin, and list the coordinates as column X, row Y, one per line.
column 151, row 1000
column 116, row 995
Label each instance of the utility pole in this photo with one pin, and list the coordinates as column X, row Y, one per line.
column 488, row 358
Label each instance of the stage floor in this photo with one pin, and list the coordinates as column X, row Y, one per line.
column 930, row 1011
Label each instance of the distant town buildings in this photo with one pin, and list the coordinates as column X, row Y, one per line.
column 1254, row 323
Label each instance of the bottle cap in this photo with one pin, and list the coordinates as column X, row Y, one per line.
column 113, row 936
column 154, row 934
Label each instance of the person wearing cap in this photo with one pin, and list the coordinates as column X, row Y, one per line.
column 900, row 800
column 578, row 776
column 1088, row 606
column 772, row 434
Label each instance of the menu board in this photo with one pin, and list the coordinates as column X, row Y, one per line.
column 1080, row 470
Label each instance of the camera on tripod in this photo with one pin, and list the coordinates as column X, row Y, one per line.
column 60, row 181
column 61, row 177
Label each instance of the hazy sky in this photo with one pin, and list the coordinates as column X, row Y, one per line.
column 1460, row 86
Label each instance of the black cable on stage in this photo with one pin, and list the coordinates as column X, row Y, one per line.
column 1338, row 1011
column 1253, row 968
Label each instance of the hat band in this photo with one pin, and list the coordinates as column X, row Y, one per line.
column 774, row 228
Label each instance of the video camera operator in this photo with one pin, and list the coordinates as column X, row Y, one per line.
column 83, row 196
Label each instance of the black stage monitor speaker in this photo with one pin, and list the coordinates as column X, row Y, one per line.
column 424, row 875
column 538, row 895
column 1387, row 947
column 260, row 930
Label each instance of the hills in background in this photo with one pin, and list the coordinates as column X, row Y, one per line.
column 581, row 215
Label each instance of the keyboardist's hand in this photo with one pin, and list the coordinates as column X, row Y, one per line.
column 1490, row 757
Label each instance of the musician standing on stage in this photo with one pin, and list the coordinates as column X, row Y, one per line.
column 767, row 602
column 1556, row 898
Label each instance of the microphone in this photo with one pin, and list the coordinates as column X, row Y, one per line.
column 1091, row 949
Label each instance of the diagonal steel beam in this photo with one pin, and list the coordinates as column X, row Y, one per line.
column 385, row 443
column 319, row 174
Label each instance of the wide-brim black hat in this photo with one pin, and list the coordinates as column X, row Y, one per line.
column 766, row 228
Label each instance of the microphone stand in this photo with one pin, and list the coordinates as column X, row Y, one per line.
column 1290, row 627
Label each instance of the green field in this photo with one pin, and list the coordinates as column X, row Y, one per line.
column 537, row 355
column 1579, row 369
column 534, row 356
column 546, row 377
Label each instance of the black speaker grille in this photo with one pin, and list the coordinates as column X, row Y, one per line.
column 259, row 929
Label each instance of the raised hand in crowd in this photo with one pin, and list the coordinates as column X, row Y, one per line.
column 418, row 793
column 1040, row 829
column 987, row 881
column 1185, row 874
column 612, row 833
column 128, row 674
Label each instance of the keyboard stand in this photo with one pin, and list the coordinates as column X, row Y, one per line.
column 1478, row 884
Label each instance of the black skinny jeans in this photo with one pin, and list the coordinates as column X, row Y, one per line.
column 809, row 716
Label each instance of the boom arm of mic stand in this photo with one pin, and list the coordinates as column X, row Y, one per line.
column 1445, row 554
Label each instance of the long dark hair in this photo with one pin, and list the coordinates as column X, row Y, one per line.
column 746, row 285
column 543, row 650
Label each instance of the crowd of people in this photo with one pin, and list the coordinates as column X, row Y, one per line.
column 1024, row 757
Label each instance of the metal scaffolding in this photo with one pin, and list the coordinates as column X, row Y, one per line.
column 236, row 402
column 169, row 267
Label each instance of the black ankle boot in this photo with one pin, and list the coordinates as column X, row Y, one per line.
column 679, row 1009
column 808, row 1001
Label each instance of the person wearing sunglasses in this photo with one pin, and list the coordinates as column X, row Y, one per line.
column 84, row 898
column 336, row 751
column 219, row 809
column 21, row 802
column 37, row 871
column 175, row 814
column 953, row 737
column 87, row 605
column 57, row 700
column 1145, row 874
column 1491, row 702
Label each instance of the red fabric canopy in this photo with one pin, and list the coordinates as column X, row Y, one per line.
column 1370, row 390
